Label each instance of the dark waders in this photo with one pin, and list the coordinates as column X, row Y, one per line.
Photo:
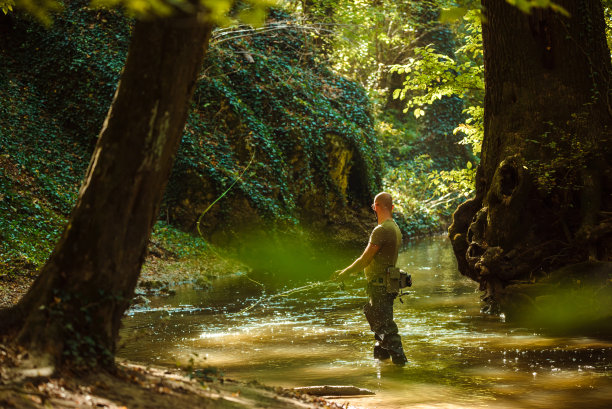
column 379, row 313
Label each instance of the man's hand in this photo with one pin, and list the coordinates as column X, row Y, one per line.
column 337, row 275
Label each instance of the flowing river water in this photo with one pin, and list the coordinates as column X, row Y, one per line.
column 457, row 356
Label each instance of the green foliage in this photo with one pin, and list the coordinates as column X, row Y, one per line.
column 369, row 35
column 42, row 10
column 563, row 156
column 28, row 228
column 431, row 75
column 7, row 5
column 252, row 12
column 145, row 8
column 457, row 10
column 397, row 138
column 366, row 36
column 451, row 14
column 460, row 8
column 218, row 11
column 608, row 20
column 178, row 242
column 473, row 128
column 426, row 196
column 580, row 308
column 526, row 5
column 427, row 190
column 434, row 75
column 57, row 83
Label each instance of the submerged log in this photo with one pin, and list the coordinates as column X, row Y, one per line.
column 333, row 390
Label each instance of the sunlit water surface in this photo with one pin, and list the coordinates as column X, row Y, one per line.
column 458, row 357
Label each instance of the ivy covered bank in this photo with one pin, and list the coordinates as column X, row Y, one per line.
column 263, row 101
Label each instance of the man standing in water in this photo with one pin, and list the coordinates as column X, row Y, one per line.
column 381, row 253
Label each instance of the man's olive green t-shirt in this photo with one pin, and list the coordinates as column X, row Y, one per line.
column 388, row 236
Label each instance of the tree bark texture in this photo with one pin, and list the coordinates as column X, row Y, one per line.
column 544, row 185
column 73, row 311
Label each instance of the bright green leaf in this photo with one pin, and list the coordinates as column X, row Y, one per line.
column 452, row 14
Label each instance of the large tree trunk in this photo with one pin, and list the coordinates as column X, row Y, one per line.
column 73, row 311
column 544, row 186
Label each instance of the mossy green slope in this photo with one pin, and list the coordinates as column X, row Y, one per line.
column 264, row 94
column 55, row 86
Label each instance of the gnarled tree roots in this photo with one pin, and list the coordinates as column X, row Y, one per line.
column 512, row 238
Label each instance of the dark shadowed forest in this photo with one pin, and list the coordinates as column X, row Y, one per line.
column 181, row 181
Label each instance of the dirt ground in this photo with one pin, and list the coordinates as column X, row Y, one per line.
column 13, row 288
column 135, row 386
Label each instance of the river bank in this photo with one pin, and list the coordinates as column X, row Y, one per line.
column 137, row 386
column 163, row 270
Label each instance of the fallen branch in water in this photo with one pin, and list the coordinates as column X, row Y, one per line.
column 332, row 390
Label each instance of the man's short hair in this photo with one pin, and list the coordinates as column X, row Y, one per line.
column 384, row 199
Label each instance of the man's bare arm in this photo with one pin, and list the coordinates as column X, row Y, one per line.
column 358, row 265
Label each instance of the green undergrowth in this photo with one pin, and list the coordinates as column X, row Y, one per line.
column 28, row 228
column 178, row 243
column 426, row 196
column 56, row 85
column 177, row 257
column 426, row 192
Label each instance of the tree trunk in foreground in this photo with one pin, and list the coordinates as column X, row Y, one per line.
column 544, row 186
column 73, row 311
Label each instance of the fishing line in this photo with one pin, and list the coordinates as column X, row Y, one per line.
column 223, row 194
column 283, row 294
column 262, row 298
column 256, row 282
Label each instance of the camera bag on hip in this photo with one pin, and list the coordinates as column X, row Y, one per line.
column 397, row 279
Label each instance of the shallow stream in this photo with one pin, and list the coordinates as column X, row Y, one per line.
column 458, row 357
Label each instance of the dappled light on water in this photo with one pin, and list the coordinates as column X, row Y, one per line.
column 458, row 357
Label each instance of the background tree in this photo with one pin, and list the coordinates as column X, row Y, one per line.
column 543, row 189
column 320, row 15
column 435, row 172
column 444, row 113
